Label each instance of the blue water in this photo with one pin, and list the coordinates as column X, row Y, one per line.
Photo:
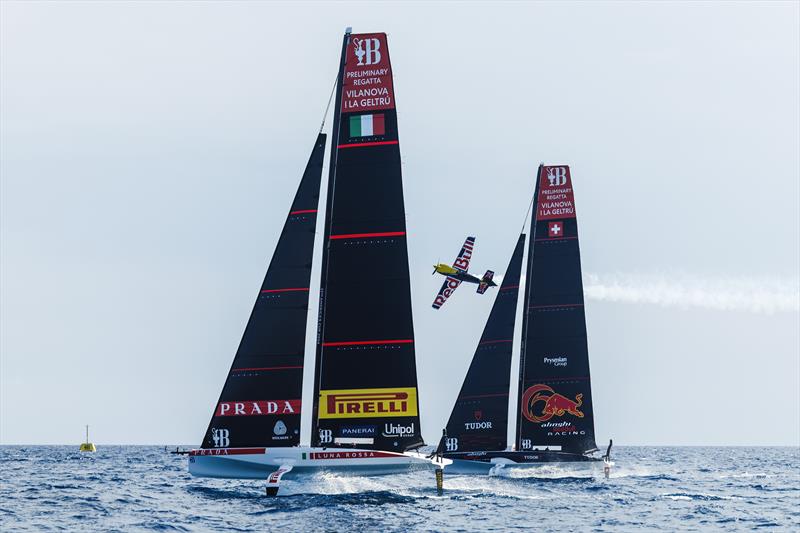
column 143, row 488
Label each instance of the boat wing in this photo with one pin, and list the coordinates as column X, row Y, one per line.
column 448, row 287
column 462, row 261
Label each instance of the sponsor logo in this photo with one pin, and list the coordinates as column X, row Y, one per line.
column 452, row 284
column 357, row 431
column 556, row 176
column 259, row 407
column 560, row 429
column 397, row 430
column 541, row 403
column 478, row 415
column 221, row 437
column 279, row 431
column 325, row 436
column 477, row 425
column 555, row 361
column 555, row 229
column 368, row 403
column 451, row 444
column 367, row 51
column 531, row 457
column 462, row 261
column 351, row 455
column 525, row 444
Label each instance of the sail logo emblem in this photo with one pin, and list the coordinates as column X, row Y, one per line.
column 221, row 437
column 368, row 403
column 548, row 403
column 555, row 229
column 556, row 176
column 451, row 444
column 325, row 436
column 280, row 428
column 525, row 444
column 367, row 51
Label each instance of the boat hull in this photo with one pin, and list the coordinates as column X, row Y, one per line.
column 259, row 463
column 483, row 463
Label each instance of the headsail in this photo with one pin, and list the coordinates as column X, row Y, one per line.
column 555, row 400
column 260, row 402
column 366, row 382
column 479, row 421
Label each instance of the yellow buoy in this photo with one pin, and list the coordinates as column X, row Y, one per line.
column 88, row 446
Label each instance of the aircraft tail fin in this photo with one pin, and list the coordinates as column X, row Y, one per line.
column 486, row 282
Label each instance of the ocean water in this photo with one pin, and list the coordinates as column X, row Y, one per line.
column 143, row 488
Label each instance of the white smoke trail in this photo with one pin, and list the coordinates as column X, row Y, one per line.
column 755, row 295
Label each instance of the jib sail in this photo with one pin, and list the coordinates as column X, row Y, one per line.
column 260, row 402
column 479, row 420
column 555, row 400
column 366, row 380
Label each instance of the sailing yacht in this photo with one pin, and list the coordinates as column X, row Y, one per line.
column 554, row 415
column 365, row 413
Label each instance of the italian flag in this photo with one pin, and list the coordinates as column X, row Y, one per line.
column 366, row 125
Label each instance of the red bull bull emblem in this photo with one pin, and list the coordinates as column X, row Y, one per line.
column 554, row 404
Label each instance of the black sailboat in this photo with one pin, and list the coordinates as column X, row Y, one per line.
column 365, row 412
column 554, row 416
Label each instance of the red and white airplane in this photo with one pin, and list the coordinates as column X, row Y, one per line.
column 458, row 273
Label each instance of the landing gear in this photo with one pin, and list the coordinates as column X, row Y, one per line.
column 440, row 481
column 274, row 480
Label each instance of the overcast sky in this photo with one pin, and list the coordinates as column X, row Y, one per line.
column 149, row 152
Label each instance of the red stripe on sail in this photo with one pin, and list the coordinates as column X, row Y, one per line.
column 554, row 305
column 494, row 342
column 499, row 394
column 301, row 211
column 291, row 289
column 363, row 235
column 265, row 368
column 376, row 143
column 509, row 287
column 364, row 343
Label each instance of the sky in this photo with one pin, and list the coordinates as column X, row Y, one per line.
column 149, row 153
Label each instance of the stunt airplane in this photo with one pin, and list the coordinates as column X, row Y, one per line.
column 458, row 272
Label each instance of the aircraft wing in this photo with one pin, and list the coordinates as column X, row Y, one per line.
column 448, row 287
column 462, row 261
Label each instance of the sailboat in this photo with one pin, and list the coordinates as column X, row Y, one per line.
column 365, row 413
column 554, row 416
column 87, row 446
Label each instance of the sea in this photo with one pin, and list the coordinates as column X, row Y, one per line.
column 144, row 488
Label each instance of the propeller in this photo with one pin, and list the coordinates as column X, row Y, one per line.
column 435, row 267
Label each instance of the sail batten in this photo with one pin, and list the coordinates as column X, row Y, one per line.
column 260, row 402
column 554, row 404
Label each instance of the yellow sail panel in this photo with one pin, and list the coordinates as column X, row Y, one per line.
column 368, row 403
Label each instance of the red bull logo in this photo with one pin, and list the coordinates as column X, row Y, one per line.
column 541, row 403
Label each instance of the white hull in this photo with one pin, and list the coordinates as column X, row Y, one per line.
column 573, row 468
column 260, row 463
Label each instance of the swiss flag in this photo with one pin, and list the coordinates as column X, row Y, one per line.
column 555, row 229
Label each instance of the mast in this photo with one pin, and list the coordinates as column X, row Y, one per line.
column 365, row 389
column 479, row 420
column 554, row 406
column 260, row 403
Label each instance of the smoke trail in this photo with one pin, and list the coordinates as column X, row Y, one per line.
column 755, row 295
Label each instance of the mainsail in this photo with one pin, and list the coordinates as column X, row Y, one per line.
column 479, row 420
column 260, row 402
column 555, row 400
column 366, row 382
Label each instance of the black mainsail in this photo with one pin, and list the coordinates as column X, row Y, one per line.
column 479, row 420
column 555, row 400
column 365, row 389
column 260, row 402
